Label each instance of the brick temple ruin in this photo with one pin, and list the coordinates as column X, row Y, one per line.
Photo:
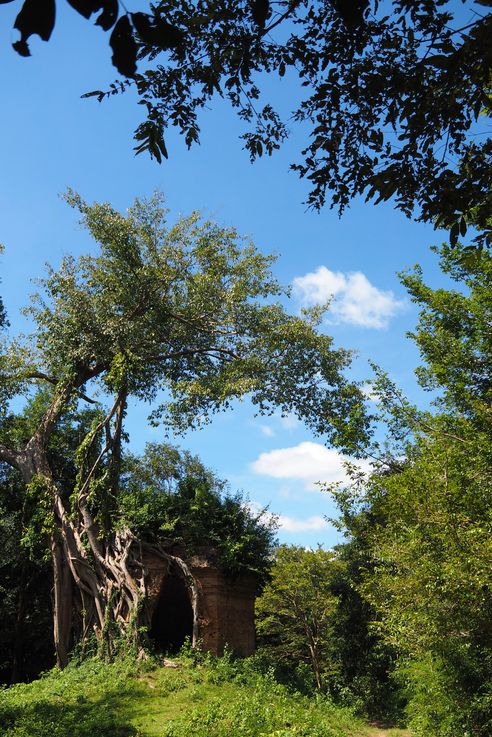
column 213, row 609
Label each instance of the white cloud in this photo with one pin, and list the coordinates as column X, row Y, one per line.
column 289, row 422
column 293, row 524
column 354, row 299
column 307, row 461
column 290, row 524
column 268, row 431
column 369, row 393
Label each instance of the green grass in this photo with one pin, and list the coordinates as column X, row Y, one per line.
column 215, row 698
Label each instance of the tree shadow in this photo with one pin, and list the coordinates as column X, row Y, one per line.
column 108, row 716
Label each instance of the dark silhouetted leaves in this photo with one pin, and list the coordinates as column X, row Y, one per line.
column 108, row 17
column 124, row 48
column 84, row 7
column 439, row 61
column 393, row 90
column 260, row 10
column 150, row 137
column 351, row 12
column 454, row 233
column 37, row 17
column 95, row 93
column 109, row 8
column 156, row 31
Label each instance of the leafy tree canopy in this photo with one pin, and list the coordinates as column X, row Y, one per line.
column 389, row 93
column 312, row 621
column 453, row 333
column 296, row 612
column 167, row 495
column 187, row 309
column 425, row 516
column 186, row 316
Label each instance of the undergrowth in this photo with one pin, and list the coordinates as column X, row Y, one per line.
column 202, row 697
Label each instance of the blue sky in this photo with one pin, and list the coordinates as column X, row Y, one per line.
column 50, row 139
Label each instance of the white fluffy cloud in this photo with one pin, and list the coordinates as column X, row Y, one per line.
column 354, row 299
column 289, row 422
column 290, row 524
column 293, row 524
column 307, row 461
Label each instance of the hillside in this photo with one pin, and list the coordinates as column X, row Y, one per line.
column 216, row 698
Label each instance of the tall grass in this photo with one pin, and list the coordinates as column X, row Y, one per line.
column 202, row 697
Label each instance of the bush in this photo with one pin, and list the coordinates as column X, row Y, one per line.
column 215, row 696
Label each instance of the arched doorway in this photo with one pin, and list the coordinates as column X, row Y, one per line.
column 172, row 620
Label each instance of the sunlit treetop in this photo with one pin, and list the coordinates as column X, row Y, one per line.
column 184, row 315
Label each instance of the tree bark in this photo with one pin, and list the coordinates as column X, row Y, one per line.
column 99, row 572
column 62, row 602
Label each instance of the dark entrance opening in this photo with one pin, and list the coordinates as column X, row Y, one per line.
column 172, row 621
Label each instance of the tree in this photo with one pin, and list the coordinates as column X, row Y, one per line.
column 26, row 647
column 389, row 95
column 296, row 611
column 26, row 644
column 431, row 583
column 365, row 661
column 311, row 615
column 426, row 518
column 167, row 495
column 453, row 334
column 187, row 310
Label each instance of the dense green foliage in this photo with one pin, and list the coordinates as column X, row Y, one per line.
column 365, row 661
column 190, row 308
column 313, row 627
column 168, row 496
column 425, row 516
column 453, row 334
column 26, row 635
column 296, row 611
column 26, row 643
column 216, row 697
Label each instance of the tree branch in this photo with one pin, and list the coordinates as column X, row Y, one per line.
column 194, row 351
column 285, row 15
column 12, row 457
column 33, row 375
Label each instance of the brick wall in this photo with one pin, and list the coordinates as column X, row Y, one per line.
column 225, row 608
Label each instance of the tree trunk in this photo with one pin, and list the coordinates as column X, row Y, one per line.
column 100, row 574
column 109, row 589
column 62, row 602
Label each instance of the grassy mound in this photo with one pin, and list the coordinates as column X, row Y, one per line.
column 215, row 698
